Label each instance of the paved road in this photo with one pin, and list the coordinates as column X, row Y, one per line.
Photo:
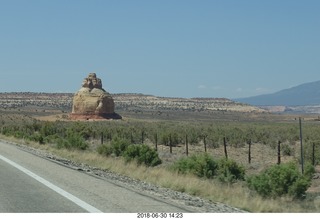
column 29, row 183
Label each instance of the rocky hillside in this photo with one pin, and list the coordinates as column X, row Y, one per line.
column 123, row 102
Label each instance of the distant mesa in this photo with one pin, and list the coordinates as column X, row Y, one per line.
column 92, row 102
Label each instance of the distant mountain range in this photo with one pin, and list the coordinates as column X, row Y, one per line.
column 302, row 95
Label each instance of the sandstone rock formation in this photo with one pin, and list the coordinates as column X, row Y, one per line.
column 92, row 101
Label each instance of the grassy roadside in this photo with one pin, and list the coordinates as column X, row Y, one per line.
column 237, row 195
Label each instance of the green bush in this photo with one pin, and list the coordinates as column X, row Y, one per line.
column 287, row 150
column 143, row 154
column 309, row 170
column 105, row 149
column 279, row 180
column 119, row 146
column 47, row 128
column 213, row 141
column 37, row 138
column 230, row 171
column 168, row 139
column 132, row 152
column 72, row 141
column 201, row 165
column 19, row 134
column 308, row 152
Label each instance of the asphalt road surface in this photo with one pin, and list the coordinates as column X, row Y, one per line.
column 31, row 184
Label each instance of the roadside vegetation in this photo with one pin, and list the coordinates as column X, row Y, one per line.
column 200, row 158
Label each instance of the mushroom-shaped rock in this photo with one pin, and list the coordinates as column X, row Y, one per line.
column 92, row 101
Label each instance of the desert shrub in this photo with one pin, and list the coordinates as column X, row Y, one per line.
column 85, row 130
column 287, row 150
column 105, row 149
column 193, row 136
column 230, row 171
column 37, row 137
column 311, row 155
column 273, row 143
column 163, row 138
column 132, row 152
column 47, row 128
column 213, row 141
column 279, row 180
column 72, row 141
column 116, row 147
column 51, row 138
column 201, row 165
column 142, row 154
column 19, row 134
column 119, row 146
column 236, row 137
column 5, row 131
column 166, row 138
column 309, row 170
column 40, row 139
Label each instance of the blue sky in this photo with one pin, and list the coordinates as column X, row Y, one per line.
column 172, row 48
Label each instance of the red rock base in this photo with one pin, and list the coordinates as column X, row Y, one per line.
column 105, row 116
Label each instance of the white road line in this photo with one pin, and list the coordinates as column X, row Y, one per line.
column 55, row 188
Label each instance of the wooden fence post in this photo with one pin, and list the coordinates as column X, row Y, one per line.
column 313, row 154
column 170, row 143
column 249, row 154
column 102, row 138
column 142, row 137
column 225, row 147
column 279, row 152
column 156, row 138
column 131, row 138
column 301, row 147
column 187, row 149
column 205, row 143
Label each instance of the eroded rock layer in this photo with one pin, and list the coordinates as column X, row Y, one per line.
column 92, row 101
